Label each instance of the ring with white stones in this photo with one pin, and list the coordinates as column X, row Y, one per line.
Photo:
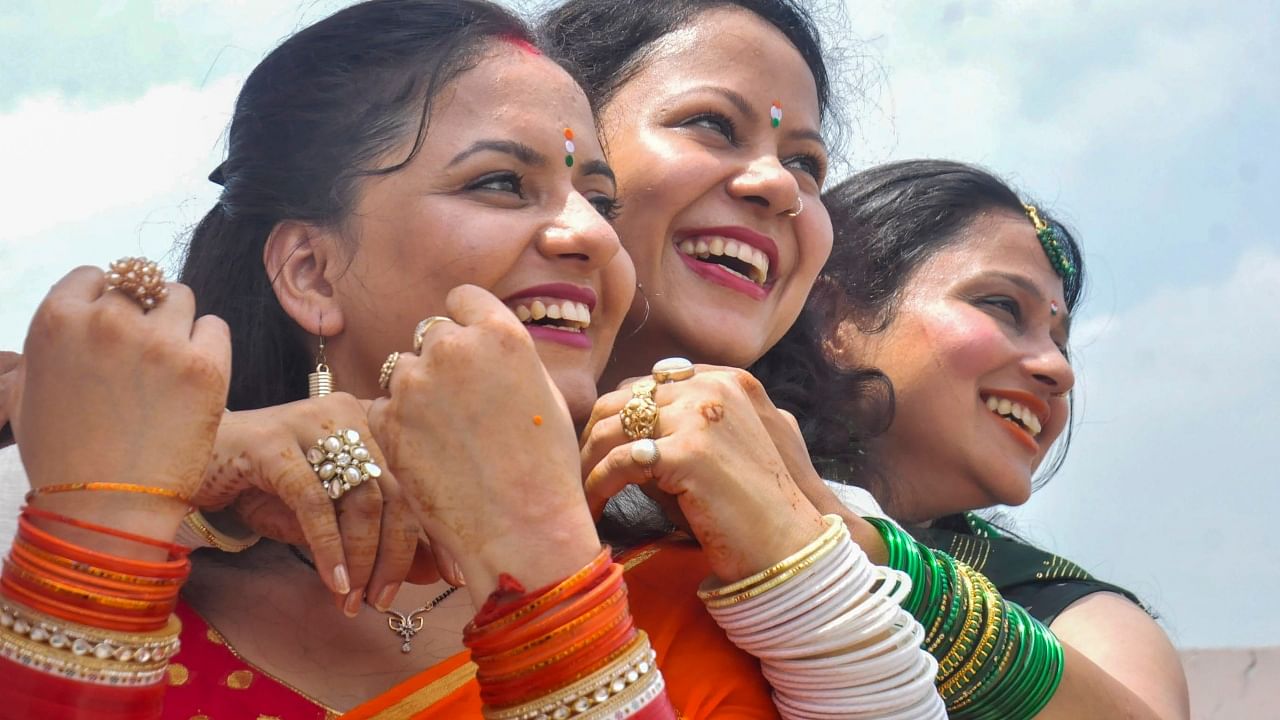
column 640, row 415
column 421, row 331
column 672, row 369
column 388, row 367
column 342, row 461
column 645, row 453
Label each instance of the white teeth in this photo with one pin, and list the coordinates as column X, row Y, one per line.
column 571, row 315
column 553, row 312
column 706, row 247
column 1018, row 411
column 538, row 310
column 523, row 314
column 584, row 313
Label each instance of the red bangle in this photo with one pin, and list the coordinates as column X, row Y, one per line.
column 175, row 551
column 499, row 644
column 497, row 615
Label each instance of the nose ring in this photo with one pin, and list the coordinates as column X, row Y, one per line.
column 799, row 208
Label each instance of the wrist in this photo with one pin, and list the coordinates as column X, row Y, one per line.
column 534, row 557
column 153, row 517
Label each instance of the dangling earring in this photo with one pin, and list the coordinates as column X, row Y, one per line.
column 320, row 382
column 645, row 319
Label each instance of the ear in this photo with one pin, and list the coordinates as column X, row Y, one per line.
column 301, row 260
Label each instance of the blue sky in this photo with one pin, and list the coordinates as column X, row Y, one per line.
column 1150, row 126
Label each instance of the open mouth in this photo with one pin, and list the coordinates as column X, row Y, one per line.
column 738, row 258
column 1016, row 413
column 553, row 313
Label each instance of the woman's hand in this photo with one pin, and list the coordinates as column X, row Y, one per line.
column 719, row 462
column 484, row 447
column 363, row 543
column 107, row 392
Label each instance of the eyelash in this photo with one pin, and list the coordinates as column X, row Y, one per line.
column 811, row 164
column 608, row 207
column 1011, row 306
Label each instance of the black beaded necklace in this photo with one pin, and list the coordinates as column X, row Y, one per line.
column 403, row 625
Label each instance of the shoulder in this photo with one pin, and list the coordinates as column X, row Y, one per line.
column 1119, row 637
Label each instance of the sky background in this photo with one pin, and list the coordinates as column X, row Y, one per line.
column 1150, row 127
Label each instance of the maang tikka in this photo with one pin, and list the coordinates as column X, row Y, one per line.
column 320, row 382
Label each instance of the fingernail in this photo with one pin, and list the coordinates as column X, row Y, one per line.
column 341, row 582
column 352, row 607
column 386, row 597
column 457, row 573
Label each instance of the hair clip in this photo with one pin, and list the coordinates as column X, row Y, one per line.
column 775, row 113
column 569, row 147
column 1050, row 240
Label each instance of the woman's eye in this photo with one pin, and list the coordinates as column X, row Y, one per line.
column 607, row 207
column 507, row 182
column 715, row 122
column 810, row 164
column 1007, row 305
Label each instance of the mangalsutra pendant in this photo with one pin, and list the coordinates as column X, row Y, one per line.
column 406, row 626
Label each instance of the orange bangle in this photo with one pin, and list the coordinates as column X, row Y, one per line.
column 557, row 671
column 175, row 551
column 81, row 616
column 576, row 641
column 110, row 487
column 24, row 560
column 20, row 545
column 501, row 643
column 528, row 693
column 511, row 660
column 171, row 570
column 508, row 618
column 28, row 578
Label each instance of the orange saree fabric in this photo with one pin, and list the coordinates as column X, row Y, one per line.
column 706, row 676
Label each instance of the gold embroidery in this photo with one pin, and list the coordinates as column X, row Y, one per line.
column 639, row 558
column 214, row 637
column 268, row 717
column 199, row 717
column 239, row 680
column 178, row 674
column 427, row 696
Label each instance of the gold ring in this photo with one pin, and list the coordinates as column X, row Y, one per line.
column 139, row 278
column 388, row 367
column 672, row 369
column 421, row 331
column 640, row 414
column 342, row 461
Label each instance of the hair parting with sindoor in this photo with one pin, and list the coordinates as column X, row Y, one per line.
column 320, row 113
column 888, row 221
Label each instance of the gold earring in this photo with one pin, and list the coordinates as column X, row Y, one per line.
column 320, row 382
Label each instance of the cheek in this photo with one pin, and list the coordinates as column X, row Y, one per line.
column 968, row 344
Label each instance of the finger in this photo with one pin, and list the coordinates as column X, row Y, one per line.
column 472, row 305
column 396, row 546
column 296, row 484
column 423, row 571
column 450, row 570
column 606, row 406
column 360, row 524
column 177, row 310
column 791, row 421
column 83, row 284
column 211, row 335
column 269, row 516
column 9, row 361
column 604, row 436
column 612, row 474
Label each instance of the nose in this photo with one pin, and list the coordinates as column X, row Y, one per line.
column 764, row 182
column 1048, row 365
column 579, row 233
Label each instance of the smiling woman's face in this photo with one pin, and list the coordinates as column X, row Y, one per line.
column 490, row 200
column 708, row 186
column 975, row 353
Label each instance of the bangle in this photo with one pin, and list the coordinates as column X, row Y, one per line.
column 196, row 522
column 22, row 546
column 110, row 487
column 175, row 551
column 787, row 567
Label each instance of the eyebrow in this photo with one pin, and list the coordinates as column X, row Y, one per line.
column 744, row 106
column 1032, row 289
column 520, row 151
column 599, row 167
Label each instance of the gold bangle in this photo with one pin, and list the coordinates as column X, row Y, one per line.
column 85, row 595
column 618, row 667
column 969, row 631
column 834, row 523
column 995, row 619
column 818, row 553
column 91, row 570
column 111, row 487
column 197, row 522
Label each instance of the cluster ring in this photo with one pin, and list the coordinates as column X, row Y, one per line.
column 139, row 278
column 640, row 415
column 342, row 462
